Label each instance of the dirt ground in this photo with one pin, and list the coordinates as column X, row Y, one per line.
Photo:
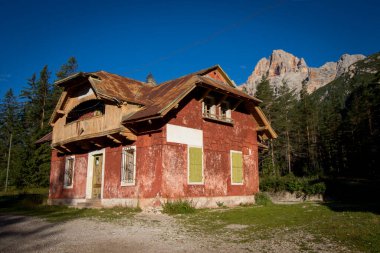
column 146, row 232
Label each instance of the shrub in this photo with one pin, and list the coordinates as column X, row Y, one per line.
column 291, row 183
column 262, row 199
column 178, row 207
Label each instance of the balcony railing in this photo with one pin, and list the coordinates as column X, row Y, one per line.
column 217, row 117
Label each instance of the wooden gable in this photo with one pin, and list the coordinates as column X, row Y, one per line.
column 71, row 97
column 217, row 73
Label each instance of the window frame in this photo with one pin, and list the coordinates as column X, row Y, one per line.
column 188, row 166
column 123, row 161
column 228, row 111
column 67, row 158
column 242, row 167
column 213, row 111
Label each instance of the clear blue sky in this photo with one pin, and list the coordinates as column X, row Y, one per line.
column 173, row 38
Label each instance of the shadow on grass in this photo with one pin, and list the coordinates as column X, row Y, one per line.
column 33, row 205
column 354, row 195
column 30, row 204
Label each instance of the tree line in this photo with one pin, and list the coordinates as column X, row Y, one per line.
column 24, row 118
column 335, row 131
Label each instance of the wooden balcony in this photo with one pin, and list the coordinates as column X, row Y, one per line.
column 96, row 131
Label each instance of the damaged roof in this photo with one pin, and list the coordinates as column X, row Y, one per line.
column 169, row 93
column 156, row 100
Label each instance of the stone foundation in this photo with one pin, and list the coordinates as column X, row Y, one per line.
column 198, row 202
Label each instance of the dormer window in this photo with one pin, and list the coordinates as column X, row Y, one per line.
column 86, row 110
column 225, row 111
column 209, row 108
column 218, row 112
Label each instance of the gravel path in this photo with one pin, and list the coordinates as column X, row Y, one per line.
column 146, row 232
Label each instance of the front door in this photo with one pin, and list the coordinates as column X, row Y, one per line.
column 97, row 177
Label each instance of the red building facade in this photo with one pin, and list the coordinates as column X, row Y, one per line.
column 202, row 147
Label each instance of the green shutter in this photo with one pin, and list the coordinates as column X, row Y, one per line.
column 195, row 165
column 237, row 168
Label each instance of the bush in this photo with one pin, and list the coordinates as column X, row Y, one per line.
column 178, row 207
column 291, row 183
column 262, row 199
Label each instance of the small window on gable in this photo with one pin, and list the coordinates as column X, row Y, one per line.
column 236, row 167
column 195, row 165
column 209, row 107
column 69, row 172
column 128, row 166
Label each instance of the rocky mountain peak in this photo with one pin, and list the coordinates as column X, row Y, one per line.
column 283, row 67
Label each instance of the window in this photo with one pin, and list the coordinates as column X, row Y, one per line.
column 216, row 111
column 209, row 107
column 128, row 166
column 69, row 172
column 195, row 166
column 236, row 167
column 225, row 112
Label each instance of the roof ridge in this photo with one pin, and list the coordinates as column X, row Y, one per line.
column 106, row 72
column 192, row 74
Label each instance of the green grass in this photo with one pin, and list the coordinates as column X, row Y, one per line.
column 31, row 202
column 178, row 207
column 354, row 229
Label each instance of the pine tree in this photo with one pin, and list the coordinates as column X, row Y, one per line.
column 37, row 95
column 67, row 69
column 10, row 125
column 264, row 92
column 283, row 120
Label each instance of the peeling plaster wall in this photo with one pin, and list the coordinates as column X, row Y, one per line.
column 148, row 169
column 57, row 175
column 218, row 140
column 161, row 166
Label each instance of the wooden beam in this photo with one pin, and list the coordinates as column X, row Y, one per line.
column 60, row 112
column 129, row 135
column 236, row 105
column 66, row 148
column 263, row 128
column 59, row 149
column 113, row 139
column 205, row 94
column 221, row 99
column 96, row 144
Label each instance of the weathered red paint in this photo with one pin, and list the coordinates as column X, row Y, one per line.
column 162, row 167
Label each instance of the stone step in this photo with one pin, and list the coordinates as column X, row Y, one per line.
column 90, row 203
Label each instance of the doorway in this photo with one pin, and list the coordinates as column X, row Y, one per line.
column 97, row 176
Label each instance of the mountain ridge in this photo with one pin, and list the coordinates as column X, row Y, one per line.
column 283, row 67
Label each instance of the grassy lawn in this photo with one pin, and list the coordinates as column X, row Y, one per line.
column 340, row 223
column 31, row 203
column 354, row 225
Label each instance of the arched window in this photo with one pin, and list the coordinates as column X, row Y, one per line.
column 86, row 110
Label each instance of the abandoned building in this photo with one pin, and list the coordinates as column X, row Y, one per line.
column 122, row 142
